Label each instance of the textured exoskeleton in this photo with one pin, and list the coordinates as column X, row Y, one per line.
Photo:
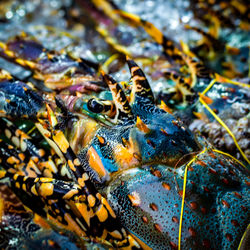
column 163, row 185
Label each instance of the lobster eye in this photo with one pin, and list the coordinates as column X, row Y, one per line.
column 95, row 106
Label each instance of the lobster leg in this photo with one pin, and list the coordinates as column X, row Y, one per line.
column 96, row 212
column 59, row 201
column 13, row 161
column 51, row 194
column 27, row 181
column 21, row 140
column 48, row 166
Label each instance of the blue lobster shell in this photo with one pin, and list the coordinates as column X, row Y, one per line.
column 140, row 163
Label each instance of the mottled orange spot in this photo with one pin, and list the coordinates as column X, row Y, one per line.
column 33, row 190
column 116, row 234
column 157, row 227
column 190, row 168
column 87, row 213
column 41, row 152
column 61, row 141
column 144, row 219
column 71, row 165
column 69, row 194
column 192, row 232
column 101, row 139
column 91, row 200
column 95, row 162
column 212, row 155
column 135, row 199
column 202, row 163
column 81, row 181
column 108, row 207
column 13, row 160
column 180, row 192
column 164, row 132
column 126, row 156
column 164, row 106
column 193, row 205
column 21, row 156
column 175, row 219
column 149, row 142
column 157, row 173
column 237, row 195
column 46, row 189
column 141, row 125
column 206, row 99
column 153, row 206
column 175, row 123
column 77, row 162
column 72, row 225
column 212, row 171
column 166, row 186
column 248, row 183
column 102, row 213
column 225, row 203
column 222, row 163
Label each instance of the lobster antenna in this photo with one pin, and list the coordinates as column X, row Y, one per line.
column 123, row 109
column 141, row 86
